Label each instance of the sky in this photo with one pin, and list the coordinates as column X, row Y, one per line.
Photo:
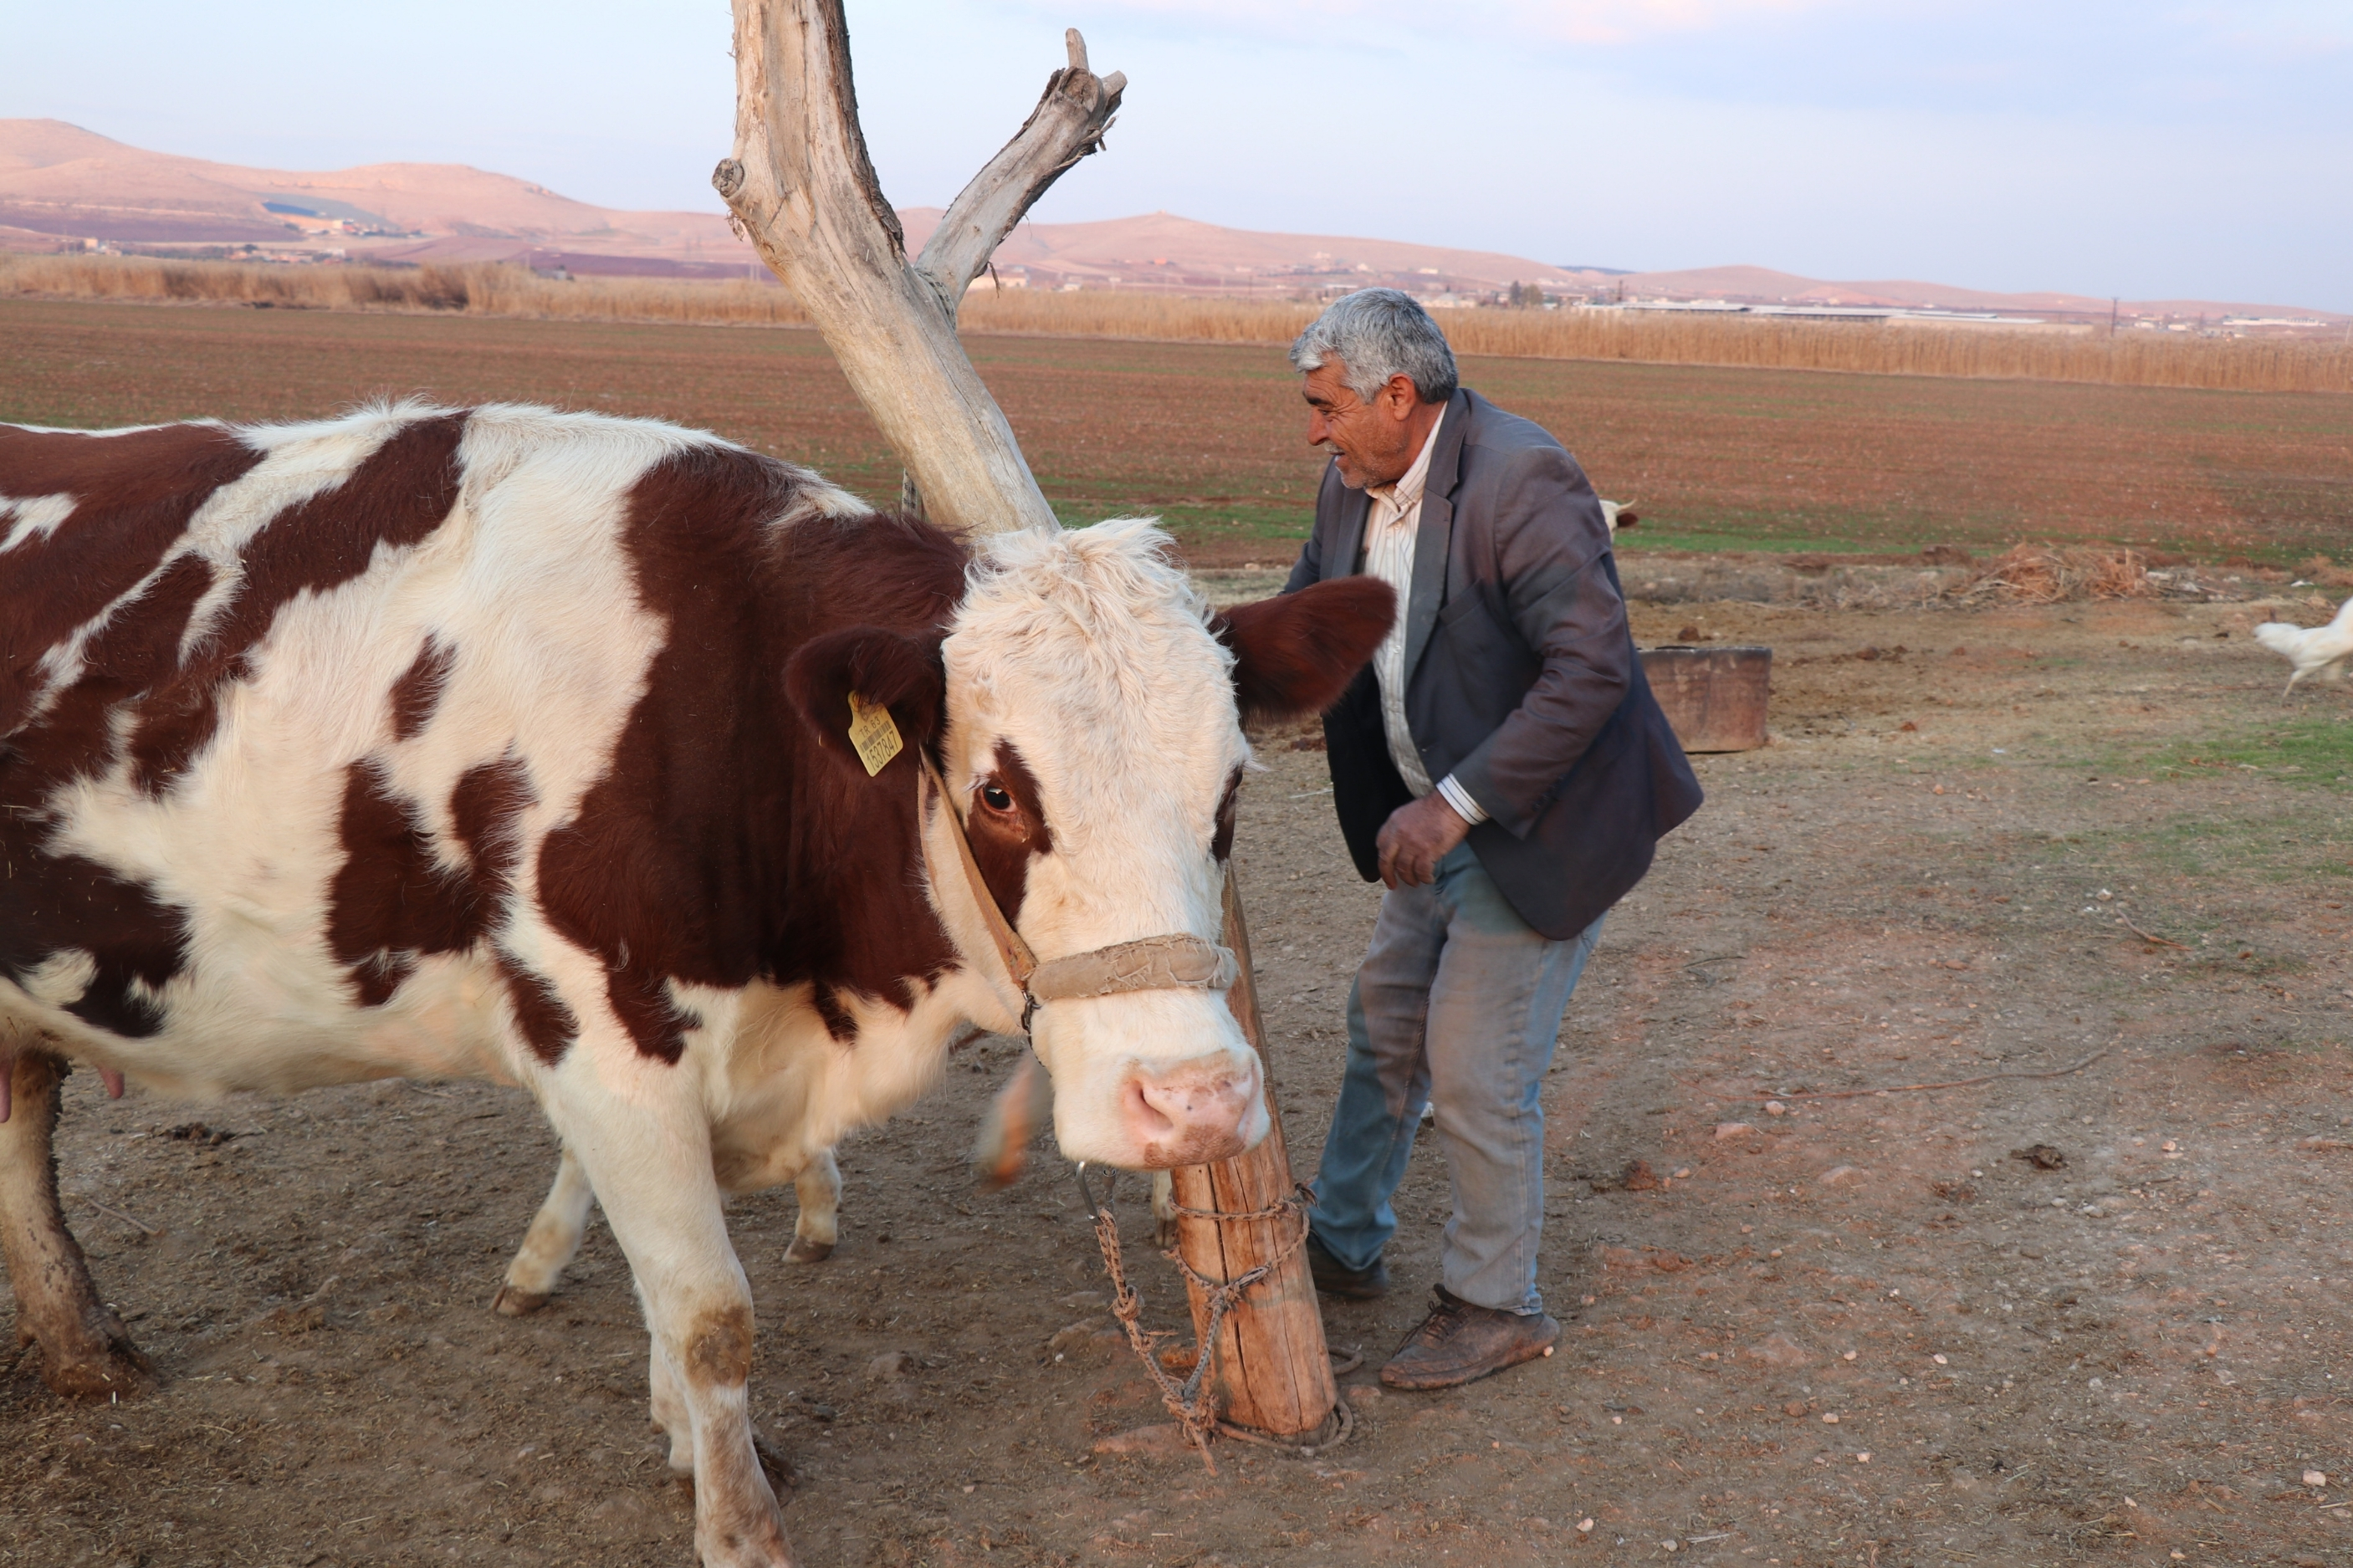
column 2106, row 147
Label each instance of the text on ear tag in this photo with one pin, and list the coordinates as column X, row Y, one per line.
column 872, row 733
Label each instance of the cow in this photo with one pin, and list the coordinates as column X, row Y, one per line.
column 517, row 745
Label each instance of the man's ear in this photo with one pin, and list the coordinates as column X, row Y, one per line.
column 1295, row 655
column 901, row 674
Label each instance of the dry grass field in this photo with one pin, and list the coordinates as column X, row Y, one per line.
column 1899, row 347
column 1210, row 436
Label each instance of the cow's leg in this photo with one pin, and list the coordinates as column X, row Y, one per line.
column 1019, row 1113
column 551, row 1243
column 1164, row 1209
column 818, row 1186
column 670, row 1415
column 651, row 1166
column 86, row 1353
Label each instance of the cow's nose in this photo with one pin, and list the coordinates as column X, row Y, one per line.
column 1193, row 1112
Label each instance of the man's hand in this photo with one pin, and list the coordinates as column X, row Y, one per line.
column 1416, row 838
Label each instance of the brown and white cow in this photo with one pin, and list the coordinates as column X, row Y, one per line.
column 511, row 744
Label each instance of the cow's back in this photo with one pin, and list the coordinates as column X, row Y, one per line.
column 288, row 711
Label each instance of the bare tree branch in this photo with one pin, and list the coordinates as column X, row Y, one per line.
column 802, row 189
column 1069, row 123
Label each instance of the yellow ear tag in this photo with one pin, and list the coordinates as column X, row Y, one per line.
column 873, row 735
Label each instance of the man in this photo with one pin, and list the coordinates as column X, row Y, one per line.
column 1503, row 769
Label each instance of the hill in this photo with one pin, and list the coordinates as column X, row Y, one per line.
column 1161, row 250
column 60, row 183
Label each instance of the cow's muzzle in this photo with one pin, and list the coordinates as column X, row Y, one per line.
column 1192, row 1113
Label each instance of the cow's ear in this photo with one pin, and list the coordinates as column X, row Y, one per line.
column 903, row 675
column 1294, row 655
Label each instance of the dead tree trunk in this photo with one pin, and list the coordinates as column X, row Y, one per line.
column 803, row 190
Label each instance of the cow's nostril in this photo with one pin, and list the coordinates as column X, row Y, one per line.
column 1145, row 1113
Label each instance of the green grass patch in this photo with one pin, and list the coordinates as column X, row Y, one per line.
column 1805, row 528
column 2287, row 846
column 1702, row 539
column 2177, row 875
column 1205, row 523
column 2308, row 752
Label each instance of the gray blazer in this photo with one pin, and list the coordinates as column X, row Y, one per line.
column 1521, row 678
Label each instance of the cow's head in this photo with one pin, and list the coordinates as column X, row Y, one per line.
column 1087, row 713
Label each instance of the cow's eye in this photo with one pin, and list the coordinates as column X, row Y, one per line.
column 995, row 796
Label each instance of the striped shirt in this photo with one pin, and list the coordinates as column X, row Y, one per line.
column 1392, row 526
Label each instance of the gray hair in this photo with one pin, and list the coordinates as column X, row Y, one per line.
column 1377, row 334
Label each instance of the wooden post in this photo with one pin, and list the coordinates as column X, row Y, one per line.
column 1273, row 1372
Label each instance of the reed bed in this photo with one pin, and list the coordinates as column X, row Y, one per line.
column 2131, row 358
column 1101, row 313
column 481, row 289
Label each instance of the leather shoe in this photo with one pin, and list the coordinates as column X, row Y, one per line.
column 1333, row 1277
column 1459, row 1342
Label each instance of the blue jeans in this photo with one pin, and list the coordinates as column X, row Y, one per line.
column 1460, row 1001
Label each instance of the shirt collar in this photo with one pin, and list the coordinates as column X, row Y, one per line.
column 1405, row 492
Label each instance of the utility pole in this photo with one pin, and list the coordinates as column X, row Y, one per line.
column 2111, row 315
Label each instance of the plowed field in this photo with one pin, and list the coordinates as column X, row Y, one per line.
column 1212, row 437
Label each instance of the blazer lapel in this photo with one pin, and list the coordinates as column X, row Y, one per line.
column 1346, row 558
column 1434, row 538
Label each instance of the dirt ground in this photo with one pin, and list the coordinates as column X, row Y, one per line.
column 1809, row 1330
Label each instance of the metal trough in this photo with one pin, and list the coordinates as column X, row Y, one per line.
column 1714, row 697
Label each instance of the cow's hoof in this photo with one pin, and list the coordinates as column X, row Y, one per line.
column 804, row 1250
column 775, row 1466
column 511, row 1301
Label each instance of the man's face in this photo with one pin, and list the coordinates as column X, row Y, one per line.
column 1374, row 441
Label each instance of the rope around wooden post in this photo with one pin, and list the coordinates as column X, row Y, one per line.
column 1301, row 1200
column 1191, row 1402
